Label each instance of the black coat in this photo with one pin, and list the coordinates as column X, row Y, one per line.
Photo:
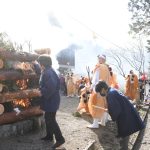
column 49, row 87
column 123, row 112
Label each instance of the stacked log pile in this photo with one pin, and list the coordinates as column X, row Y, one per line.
column 18, row 84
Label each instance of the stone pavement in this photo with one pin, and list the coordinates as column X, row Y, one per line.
column 143, row 140
column 145, row 144
column 136, row 138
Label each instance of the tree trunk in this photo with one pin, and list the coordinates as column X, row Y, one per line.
column 22, row 94
column 17, row 56
column 12, row 117
column 15, row 75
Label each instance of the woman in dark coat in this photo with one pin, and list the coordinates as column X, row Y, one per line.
column 121, row 110
column 50, row 99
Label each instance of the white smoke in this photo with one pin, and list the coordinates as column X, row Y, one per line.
column 86, row 56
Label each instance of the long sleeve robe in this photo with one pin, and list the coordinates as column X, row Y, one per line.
column 97, row 104
column 124, row 113
column 131, row 89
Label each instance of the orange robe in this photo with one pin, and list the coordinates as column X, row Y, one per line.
column 70, row 87
column 98, row 104
column 131, row 88
column 82, row 104
column 113, row 81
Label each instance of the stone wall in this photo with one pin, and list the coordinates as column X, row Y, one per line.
column 22, row 127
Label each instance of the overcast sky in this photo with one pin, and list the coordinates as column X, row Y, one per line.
column 57, row 23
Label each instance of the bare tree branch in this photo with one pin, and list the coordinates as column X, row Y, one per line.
column 133, row 56
column 118, row 63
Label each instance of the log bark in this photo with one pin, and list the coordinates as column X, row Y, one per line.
column 17, row 56
column 1, row 87
column 1, row 63
column 12, row 117
column 43, row 51
column 15, row 75
column 22, row 94
column 1, row 109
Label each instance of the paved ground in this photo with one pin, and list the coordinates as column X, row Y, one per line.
column 143, row 140
column 145, row 143
column 74, row 130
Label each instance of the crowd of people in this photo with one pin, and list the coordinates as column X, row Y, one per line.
column 99, row 96
column 90, row 101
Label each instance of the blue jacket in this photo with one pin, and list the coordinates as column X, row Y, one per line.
column 49, row 87
column 123, row 112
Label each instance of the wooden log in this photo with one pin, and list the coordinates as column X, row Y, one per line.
column 43, row 51
column 17, row 56
column 11, row 117
column 15, row 75
column 1, row 109
column 1, row 63
column 1, row 87
column 22, row 94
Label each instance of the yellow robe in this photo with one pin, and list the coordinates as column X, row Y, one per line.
column 82, row 105
column 96, row 103
column 131, row 88
column 70, row 87
column 113, row 81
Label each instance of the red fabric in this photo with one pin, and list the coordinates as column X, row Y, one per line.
column 144, row 77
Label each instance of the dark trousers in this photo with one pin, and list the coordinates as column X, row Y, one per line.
column 52, row 127
column 124, row 143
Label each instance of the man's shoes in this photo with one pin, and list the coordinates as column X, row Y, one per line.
column 93, row 126
column 58, row 143
column 47, row 138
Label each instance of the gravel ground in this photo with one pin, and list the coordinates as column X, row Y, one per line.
column 74, row 130
column 79, row 135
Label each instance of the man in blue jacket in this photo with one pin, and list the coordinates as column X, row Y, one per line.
column 50, row 99
column 121, row 110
